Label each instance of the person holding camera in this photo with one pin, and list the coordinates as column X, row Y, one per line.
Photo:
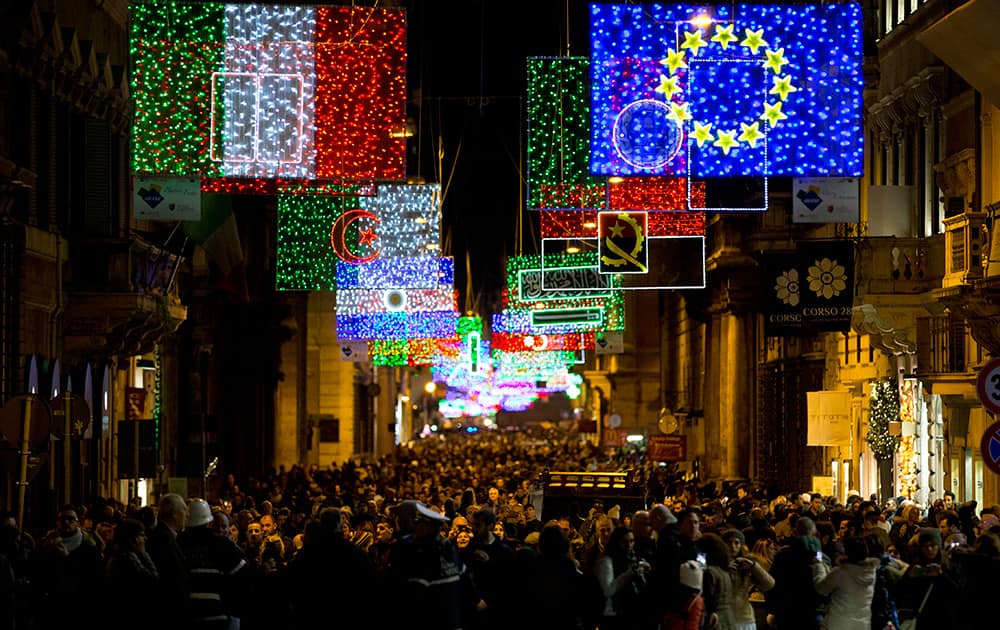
column 622, row 577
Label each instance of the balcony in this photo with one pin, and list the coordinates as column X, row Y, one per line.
column 122, row 298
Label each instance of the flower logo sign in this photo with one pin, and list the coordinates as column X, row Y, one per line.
column 820, row 302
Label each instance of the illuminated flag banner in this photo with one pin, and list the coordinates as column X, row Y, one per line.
column 675, row 262
column 583, row 223
column 558, row 113
column 726, row 90
column 622, row 242
column 395, row 273
column 398, row 325
column 509, row 342
column 265, row 91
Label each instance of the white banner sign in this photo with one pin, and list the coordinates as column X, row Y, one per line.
column 829, row 415
column 609, row 342
column 166, row 198
column 826, row 200
column 354, row 351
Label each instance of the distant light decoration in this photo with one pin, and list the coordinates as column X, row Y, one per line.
column 532, row 363
column 542, row 342
column 411, row 272
column 558, row 135
column 408, row 352
column 756, row 89
column 528, row 287
column 360, row 301
column 245, row 91
column 372, row 326
column 520, row 402
column 557, row 303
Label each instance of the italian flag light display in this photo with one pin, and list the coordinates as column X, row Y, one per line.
column 264, row 92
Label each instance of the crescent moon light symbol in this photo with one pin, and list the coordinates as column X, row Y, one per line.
column 338, row 237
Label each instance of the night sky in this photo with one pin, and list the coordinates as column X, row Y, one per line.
column 466, row 76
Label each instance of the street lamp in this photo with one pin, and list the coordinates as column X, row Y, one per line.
column 429, row 389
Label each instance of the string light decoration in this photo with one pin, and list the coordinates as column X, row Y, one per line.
column 568, row 280
column 278, row 186
column 409, row 219
column 750, row 89
column 653, row 194
column 411, row 352
column 306, row 260
column 174, row 47
column 361, row 301
column 883, row 409
column 558, row 135
column 247, row 91
column 397, row 325
column 385, row 273
column 539, row 343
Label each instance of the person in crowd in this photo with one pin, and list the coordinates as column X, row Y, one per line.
column 717, row 582
column 926, row 592
column 793, row 602
column 748, row 576
column 425, row 573
column 554, row 588
column 216, row 570
column 67, row 572
column 850, row 587
column 330, row 573
column 885, row 612
column 491, row 563
column 685, row 609
column 623, row 579
column 171, row 517
column 132, row 575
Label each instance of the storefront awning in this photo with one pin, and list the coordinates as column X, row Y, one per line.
column 966, row 39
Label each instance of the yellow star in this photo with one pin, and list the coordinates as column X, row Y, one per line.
column 668, row 87
column 693, row 40
column 674, row 60
column 679, row 112
column 773, row 113
column 726, row 141
column 617, row 229
column 782, row 87
column 775, row 59
column 702, row 133
column 724, row 35
column 751, row 134
column 754, row 40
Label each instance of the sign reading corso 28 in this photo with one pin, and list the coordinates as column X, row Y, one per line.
column 811, row 290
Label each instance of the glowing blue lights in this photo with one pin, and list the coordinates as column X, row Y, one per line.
column 757, row 90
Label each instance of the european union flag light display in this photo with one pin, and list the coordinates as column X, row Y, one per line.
column 726, row 90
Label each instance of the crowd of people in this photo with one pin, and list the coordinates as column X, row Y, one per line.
column 448, row 532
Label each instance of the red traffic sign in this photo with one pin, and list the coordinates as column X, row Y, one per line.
column 988, row 386
column 990, row 447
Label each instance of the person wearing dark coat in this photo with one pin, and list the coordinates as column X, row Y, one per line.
column 161, row 544
column 67, row 571
column 330, row 573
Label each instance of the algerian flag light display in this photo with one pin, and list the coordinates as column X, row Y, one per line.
column 360, row 225
column 265, row 91
column 726, row 90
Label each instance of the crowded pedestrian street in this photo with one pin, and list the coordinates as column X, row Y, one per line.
column 453, row 531
column 481, row 315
